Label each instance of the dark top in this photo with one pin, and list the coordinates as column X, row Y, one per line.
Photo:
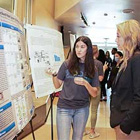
column 113, row 74
column 74, row 96
column 125, row 98
column 113, row 62
column 109, row 61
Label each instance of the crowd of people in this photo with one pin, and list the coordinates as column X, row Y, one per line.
column 84, row 77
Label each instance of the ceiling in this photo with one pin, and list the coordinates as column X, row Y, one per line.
column 104, row 29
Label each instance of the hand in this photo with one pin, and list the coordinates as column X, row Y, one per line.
column 50, row 71
column 80, row 81
column 105, row 66
column 123, row 132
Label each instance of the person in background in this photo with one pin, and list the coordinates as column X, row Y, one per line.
column 125, row 97
column 113, row 51
column 108, row 58
column 115, row 69
column 94, row 101
column 102, row 58
column 80, row 81
column 108, row 63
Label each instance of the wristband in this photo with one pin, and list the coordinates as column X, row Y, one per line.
column 54, row 75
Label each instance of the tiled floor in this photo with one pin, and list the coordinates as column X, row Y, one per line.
column 102, row 126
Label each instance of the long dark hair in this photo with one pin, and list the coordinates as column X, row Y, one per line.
column 73, row 64
column 102, row 56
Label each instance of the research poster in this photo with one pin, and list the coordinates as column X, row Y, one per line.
column 45, row 50
column 16, row 106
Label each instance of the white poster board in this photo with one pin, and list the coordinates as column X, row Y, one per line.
column 45, row 50
column 16, row 106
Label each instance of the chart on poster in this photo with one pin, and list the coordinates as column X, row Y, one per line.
column 45, row 50
column 16, row 106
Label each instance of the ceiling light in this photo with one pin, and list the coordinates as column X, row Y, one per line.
column 105, row 14
column 127, row 11
column 106, row 39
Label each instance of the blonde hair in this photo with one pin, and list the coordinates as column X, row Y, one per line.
column 130, row 31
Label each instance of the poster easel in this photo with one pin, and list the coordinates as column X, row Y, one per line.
column 52, row 96
column 32, row 130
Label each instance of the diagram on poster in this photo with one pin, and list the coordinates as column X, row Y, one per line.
column 15, row 86
column 45, row 50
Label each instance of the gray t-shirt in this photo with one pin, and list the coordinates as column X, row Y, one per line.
column 99, row 66
column 74, row 96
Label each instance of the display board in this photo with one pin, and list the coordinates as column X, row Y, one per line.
column 16, row 105
column 45, row 50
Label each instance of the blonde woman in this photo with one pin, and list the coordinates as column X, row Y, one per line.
column 125, row 98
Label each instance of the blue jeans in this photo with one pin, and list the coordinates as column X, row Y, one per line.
column 71, row 117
